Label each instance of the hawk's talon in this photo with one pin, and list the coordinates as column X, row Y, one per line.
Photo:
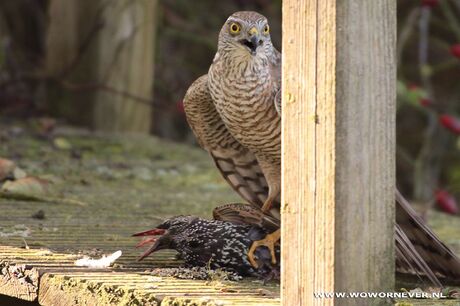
column 251, row 254
column 269, row 241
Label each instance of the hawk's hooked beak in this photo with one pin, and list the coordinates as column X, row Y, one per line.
column 254, row 40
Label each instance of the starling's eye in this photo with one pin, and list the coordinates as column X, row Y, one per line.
column 266, row 29
column 235, row 28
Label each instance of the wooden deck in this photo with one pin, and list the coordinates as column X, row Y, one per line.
column 127, row 184
column 53, row 279
column 37, row 263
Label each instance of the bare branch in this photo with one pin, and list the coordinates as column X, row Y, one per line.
column 406, row 32
column 95, row 86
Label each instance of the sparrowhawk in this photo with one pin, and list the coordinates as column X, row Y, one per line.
column 234, row 112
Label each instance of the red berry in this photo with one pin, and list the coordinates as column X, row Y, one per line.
column 446, row 202
column 180, row 107
column 451, row 123
column 426, row 102
column 455, row 50
column 430, row 3
column 412, row 87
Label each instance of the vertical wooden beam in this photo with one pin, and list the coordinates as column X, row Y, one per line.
column 126, row 55
column 102, row 45
column 338, row 149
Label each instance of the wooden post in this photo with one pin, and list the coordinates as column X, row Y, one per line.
column 126, row 54
column 339, row 92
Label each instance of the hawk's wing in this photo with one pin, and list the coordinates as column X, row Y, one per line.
column 276, row 75
column 246, row 214
column 236, row 163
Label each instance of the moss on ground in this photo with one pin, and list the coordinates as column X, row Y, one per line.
column 132, row 177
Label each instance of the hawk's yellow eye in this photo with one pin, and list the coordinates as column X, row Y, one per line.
column 235, row 28
column 266, row 29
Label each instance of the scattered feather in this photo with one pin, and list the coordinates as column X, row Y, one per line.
column 103, row 262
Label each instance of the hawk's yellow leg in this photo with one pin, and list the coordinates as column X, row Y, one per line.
column 269, row 241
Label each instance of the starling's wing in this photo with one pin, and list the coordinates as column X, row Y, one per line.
column 418, row 250
column 236, row 163
column 276, row 75
column 239, row 213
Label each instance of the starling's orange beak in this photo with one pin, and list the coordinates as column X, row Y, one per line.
column 146, row 241
column 152, row 232
column 163, row 242
column 159, row 243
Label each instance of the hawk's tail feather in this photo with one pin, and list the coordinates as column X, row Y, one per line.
column 418, row 249
column 408, row 260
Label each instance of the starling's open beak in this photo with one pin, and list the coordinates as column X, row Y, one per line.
column 152, row 232
column 159, row 243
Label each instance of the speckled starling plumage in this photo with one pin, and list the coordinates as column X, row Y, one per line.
column 212, row 243
column 234, row 112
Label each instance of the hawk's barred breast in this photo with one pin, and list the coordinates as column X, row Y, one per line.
column 244, row 96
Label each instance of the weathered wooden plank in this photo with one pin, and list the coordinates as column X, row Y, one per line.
column 147, row 290
column 19, row 276
column 57, row 290
column 52, row 279
column 207, row 301
column 366, row 108
column 18, row 281
column 338, row 148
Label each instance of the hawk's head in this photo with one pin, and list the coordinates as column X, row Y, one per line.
column 245, row 34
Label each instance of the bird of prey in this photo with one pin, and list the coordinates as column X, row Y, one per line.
column 213, row 243
column 234, row 112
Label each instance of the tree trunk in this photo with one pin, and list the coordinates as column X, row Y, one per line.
column 100, row 58
column 22, row 28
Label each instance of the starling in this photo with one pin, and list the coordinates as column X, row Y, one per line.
column 213, row 243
